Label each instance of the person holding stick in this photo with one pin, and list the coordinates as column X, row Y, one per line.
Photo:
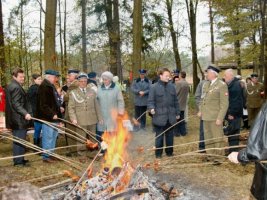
column 164, row 107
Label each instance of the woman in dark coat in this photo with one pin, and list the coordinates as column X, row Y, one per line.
column 32, row 95
column 256, row 151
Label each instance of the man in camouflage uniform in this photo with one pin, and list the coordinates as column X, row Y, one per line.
column 255, row 99
column 213, row 109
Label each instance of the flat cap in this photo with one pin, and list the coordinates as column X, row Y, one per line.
column 92, row 75
column 73, row 71
column 254, row 75
column 52, row 72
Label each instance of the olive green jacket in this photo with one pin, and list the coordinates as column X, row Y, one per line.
column 215, row 102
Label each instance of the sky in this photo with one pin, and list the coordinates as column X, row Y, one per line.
column 203, row 35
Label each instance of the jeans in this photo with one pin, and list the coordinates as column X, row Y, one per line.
column 49, row 139
column 19, row 149
column 37, row 129
column 160, row 140
column 201, row 144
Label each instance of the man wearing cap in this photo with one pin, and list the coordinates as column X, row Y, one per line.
column 73, row 84
column 255, row 91
column 175, row 73
column 48, row 109
column 213, row 109
column 84, row 109
column 92, row 81
column 140, row 88
column 18, row 113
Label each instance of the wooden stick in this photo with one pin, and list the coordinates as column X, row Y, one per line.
column 194, row 142
column 58, row 128
column 90, row 133
column 59, row 184
column 89, row 166
column 43, row 151
column 23, row 142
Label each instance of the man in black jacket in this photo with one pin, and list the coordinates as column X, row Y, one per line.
column 48, row 108
column 18, row 114
column 163, row 105
column 235, row 110
column 256, row 151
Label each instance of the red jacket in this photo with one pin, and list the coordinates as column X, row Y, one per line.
column 2, row 100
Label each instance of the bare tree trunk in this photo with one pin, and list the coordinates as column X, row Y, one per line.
column 169, row 4
column 191, row 11
column 112, row 58
column 137, row 37
column 263, row 54
column 21, row 37
column 211, row 32
column 65, row 41
column 117, row 38
column 50, row 56
column 60, row 38
column 83, row 4
column 2, row 49
column 41, row 38
column 25, row 59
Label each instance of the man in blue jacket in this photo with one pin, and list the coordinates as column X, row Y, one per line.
column 140, row 88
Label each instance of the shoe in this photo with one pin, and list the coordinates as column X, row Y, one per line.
column 22, row 164
column 54, row 158
column 48, row 160
column 170, row 155
column 158, row 156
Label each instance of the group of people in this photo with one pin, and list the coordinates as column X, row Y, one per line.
column 81, row 101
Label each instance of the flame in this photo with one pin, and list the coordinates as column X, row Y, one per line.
column 117, row 142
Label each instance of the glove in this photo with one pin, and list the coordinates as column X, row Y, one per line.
column 152, row 111
column 104, row 145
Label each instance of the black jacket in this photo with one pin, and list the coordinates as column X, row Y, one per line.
column 17, row 106
column 47, row 105
column 162, row 98
column 32, row 96
column 236, row 99
column 257, row 141
column 256, row 151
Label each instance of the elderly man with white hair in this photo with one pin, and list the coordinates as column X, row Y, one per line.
column 235, row 109
column 111, row 103
column 212, row 110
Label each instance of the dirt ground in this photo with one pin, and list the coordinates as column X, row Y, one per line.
column 192, row 177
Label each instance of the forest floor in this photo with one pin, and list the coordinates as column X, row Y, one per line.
column 191, row 176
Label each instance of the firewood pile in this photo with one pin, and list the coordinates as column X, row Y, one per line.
column 119, row 183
